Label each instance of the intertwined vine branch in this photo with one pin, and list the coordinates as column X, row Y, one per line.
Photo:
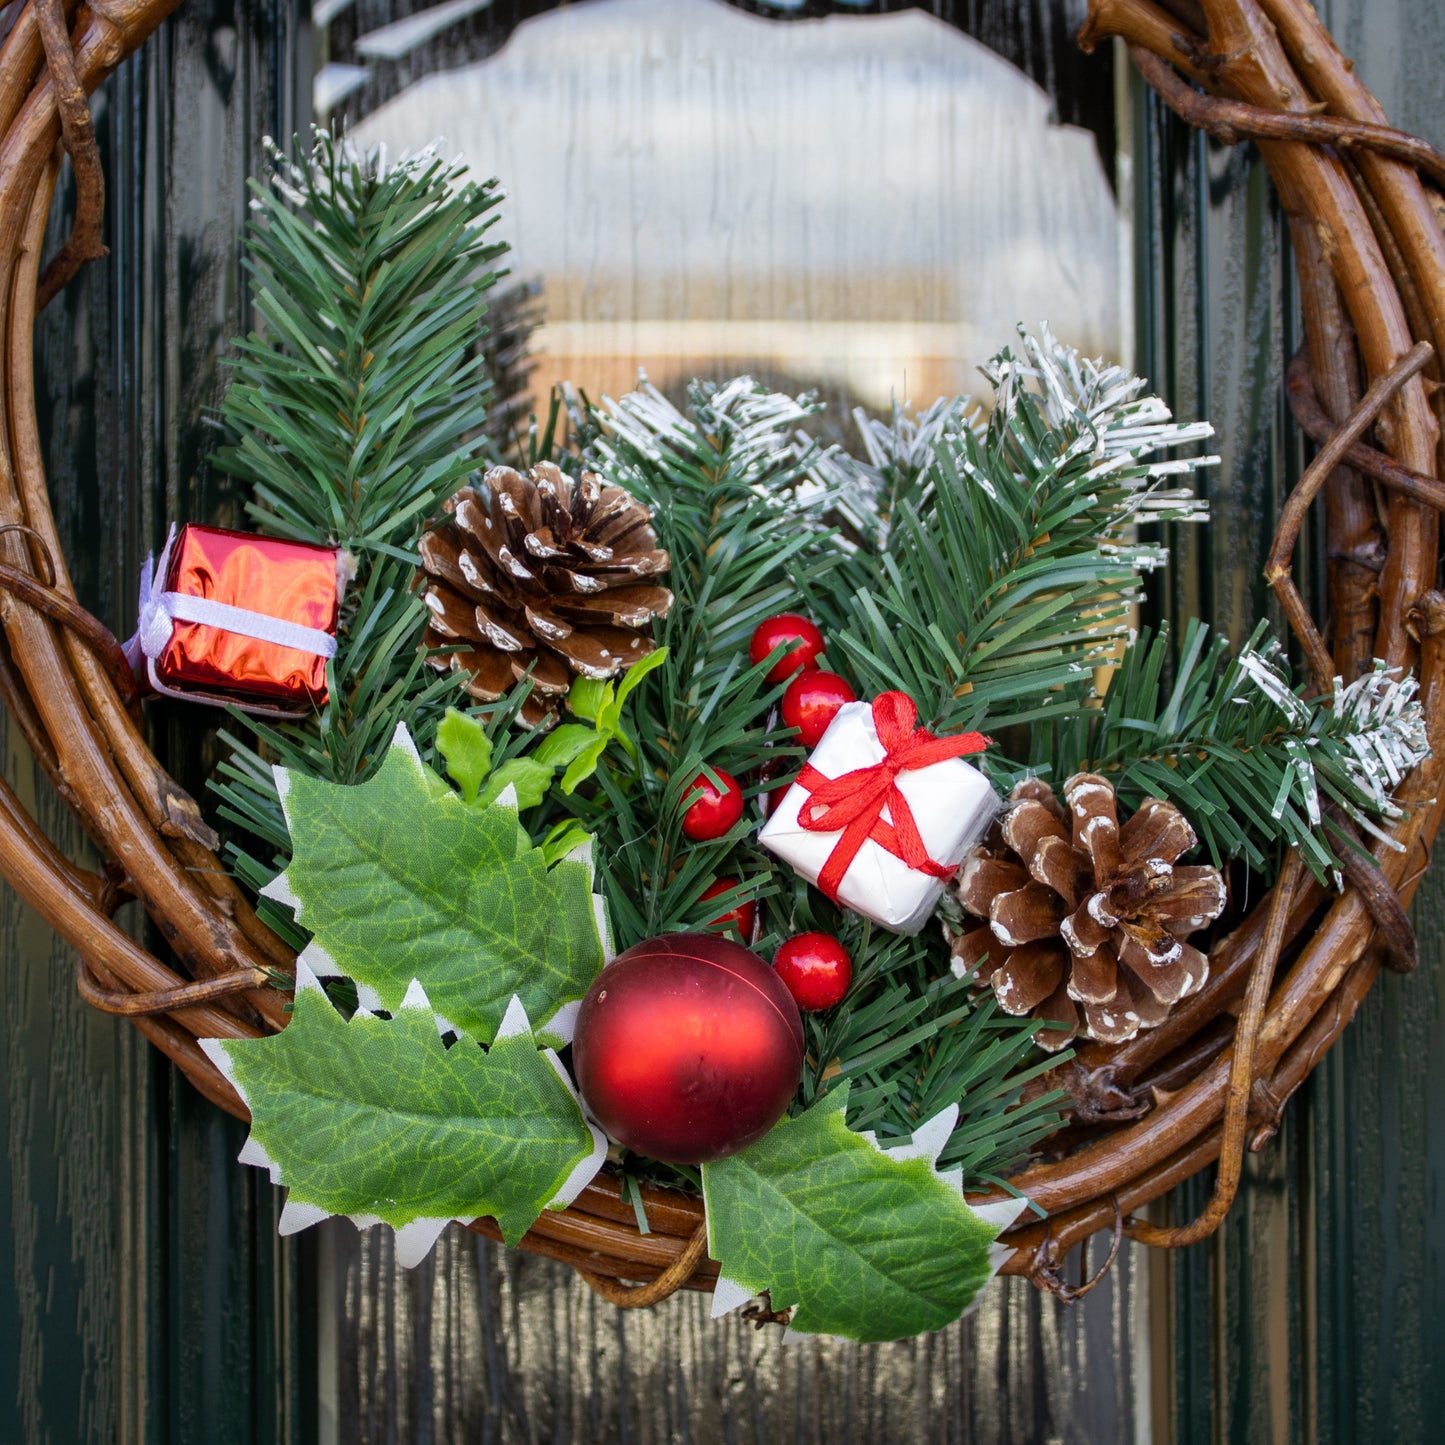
column 1371, row 258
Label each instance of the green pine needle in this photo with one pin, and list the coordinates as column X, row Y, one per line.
column 1240, row 751
column 1005, row 568
column 357, row 406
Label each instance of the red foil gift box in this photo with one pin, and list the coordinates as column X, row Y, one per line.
column 231, row 618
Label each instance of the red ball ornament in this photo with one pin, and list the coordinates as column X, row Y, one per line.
column 812, row 702
column 743, row 917
column 711, row 813
column 816, row 969
column 688, row 1048
column 786, row 627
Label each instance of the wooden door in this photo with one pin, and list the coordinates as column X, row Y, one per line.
column 145, row 1296
column 148, row 1297
column 1316, row 1312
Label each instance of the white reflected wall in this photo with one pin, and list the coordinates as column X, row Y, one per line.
column 869, row 202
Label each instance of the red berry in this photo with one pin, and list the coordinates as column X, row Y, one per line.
column 812, row 702
column 816, row 969
column 710, row 813
column 743, row 917
column 786, row 627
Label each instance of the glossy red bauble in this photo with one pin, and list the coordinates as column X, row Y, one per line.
column 786, row 627
column 812, row 702
column 743, row 918
column 711, row 813
column 816, row 969
column 688, row 1048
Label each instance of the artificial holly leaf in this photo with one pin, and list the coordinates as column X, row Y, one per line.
column 564, row 838
column 866, row 1242
column 609, row 716
column 464, row 743
column 585, row 763
column 588, row 696
column 563, row 744
column 379, row 1120
column 399, row 878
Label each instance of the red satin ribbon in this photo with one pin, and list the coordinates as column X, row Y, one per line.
column 853, row 803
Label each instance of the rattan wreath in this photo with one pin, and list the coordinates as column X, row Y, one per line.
column 1366, row 225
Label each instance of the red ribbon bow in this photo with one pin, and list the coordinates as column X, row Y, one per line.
column 853, row 803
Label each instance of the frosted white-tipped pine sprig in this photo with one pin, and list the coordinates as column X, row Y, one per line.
column 1237, row 747
column 894, row 471
column 1376, row 718
column 1010, row 567
column 1096, row 413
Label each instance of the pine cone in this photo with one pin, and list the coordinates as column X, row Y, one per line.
column 1086, row 923
column 543, row 572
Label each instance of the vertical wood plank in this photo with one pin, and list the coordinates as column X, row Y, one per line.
column 148, row 1298
column 1313, row 1314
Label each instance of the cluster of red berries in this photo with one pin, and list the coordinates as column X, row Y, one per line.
column 714, row 804
column 814, row 966
column 814, row 696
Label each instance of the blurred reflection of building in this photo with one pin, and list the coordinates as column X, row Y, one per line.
column 867, row 204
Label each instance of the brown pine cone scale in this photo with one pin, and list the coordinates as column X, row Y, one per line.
column 1082, row 920
column 545, row 573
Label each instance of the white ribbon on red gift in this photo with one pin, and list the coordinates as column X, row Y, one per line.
column 160, row 611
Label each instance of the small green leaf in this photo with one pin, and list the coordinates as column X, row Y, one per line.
column 588, row 696
column 464, row 743
column 585, row 763
column 528, row 777
column 379, row 1119
column 561, row 746
column 562, row 838
column 398, row 879
column 610, row 717
column 867, row 1243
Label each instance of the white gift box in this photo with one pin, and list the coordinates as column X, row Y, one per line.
column 952, row 805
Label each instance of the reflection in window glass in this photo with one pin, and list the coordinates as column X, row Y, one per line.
column 865, row 204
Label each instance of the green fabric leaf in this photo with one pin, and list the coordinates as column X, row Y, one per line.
column 562, row 838
column 610, row 715
column 528, row 779
column 464, row 743
column 588, row 696
column 379, row 1120
column 398, row 879
column 585, row 763
column 563, row 744
column 868, row 1243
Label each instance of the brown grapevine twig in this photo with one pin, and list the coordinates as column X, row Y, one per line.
column 1311, row 419
column 1241, row 1082
column 84, row 243
column 1277, row 569
column 1231, row 121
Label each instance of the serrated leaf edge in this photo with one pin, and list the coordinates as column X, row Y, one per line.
column 927, row 1142
column 415, row 1239
column 556, row 1029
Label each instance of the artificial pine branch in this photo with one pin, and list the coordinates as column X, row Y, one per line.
column 513, row 315
column 1012, row 572
column 354, row 409
column 723, row 484
column 1240, row 751
column 912, row 1039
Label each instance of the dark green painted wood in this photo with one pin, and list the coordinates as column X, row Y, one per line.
column 148, row 1297
column 1316, row 1311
